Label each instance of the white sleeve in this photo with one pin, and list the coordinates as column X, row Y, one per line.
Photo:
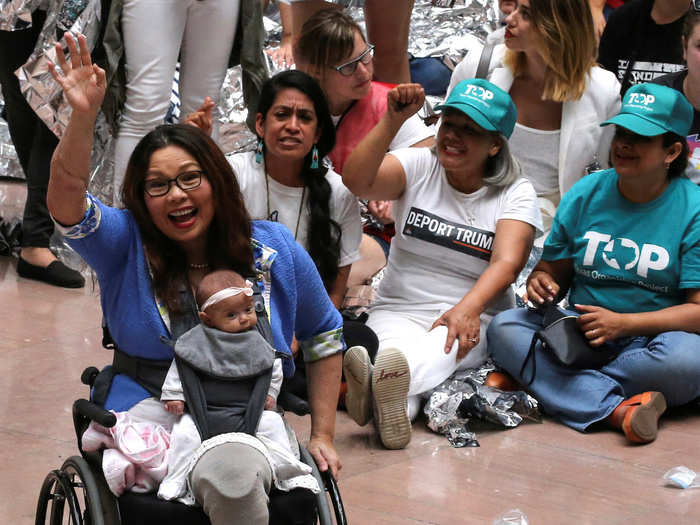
column 172, row 386
column 521, row 204
column 416, row 163
column 411, row 132
column 350, row 222
column 277, row 376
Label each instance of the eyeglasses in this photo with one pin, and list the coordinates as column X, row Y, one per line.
column 349, row 68
column 696, row 5
column 186, row 181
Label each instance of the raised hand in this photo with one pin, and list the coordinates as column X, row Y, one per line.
column 203, row 117
column 83, row 82
column 405, row 100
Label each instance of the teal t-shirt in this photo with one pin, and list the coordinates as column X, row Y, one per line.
column 628, row 257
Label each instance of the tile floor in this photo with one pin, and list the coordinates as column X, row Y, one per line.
column 553, row 474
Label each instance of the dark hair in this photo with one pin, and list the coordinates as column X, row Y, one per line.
column 678, row 166
column 324, row 233
column 326, row 39
column 692, row 18
column 228, row 237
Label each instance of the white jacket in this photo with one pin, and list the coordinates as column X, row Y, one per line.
column 582, row 140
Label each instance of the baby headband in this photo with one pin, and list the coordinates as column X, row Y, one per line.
column 226, row 293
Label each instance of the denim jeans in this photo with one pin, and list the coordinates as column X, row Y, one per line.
column 668, row 363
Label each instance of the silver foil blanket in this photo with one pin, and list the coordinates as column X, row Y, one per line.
column 463, row 396
column 16, row 14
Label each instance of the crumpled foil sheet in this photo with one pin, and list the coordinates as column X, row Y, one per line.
column 464, row 396
column 9, row 163
column 16, row 14
column 38, row 87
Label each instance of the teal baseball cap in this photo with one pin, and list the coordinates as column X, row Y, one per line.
column 485, row 103
column 653, row 109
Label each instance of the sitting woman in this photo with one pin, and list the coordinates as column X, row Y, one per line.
column 561, row 95
column 285, row 181
column 332, row 49
column 184, row 218
column 634, row 282
column 467, row 226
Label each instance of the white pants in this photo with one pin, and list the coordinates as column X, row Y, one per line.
column 424, row 349
column 155, row 32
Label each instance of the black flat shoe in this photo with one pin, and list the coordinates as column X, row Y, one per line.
column 55, row 273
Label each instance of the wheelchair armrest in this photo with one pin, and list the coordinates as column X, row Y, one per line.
column 88, row 376
column 94, row 413
column 293, row 403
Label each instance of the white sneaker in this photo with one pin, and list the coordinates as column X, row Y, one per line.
column 391, row 379
column 357, row 368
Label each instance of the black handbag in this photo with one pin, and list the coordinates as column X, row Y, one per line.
column 562, row 338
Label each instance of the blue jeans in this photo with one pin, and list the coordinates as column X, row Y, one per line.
column 668, row 363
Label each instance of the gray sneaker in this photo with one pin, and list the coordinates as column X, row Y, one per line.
column 357, row 368
column 391, row 379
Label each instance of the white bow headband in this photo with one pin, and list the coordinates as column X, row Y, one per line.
column 226, row 293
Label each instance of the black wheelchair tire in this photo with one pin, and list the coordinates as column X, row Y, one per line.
column 59, row 488
column 322, row 506
column 77, row 466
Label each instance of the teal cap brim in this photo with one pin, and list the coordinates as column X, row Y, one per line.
column 637, row 124
column 473, row 113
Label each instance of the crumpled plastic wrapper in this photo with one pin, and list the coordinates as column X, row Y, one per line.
column 512, row 517
column 681, row 477
column 16, row 14
column 464, row 396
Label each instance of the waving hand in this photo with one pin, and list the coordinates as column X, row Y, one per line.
column 83, row 82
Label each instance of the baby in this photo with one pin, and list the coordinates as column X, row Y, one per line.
column 226, row 309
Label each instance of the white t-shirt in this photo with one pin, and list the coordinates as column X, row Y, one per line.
column 285, row 202
column 411, row 132
column 538, row 153
column 444, row 238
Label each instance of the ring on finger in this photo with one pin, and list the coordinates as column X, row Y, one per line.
column 472, row 340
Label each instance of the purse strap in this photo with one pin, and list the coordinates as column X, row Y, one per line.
column 531, row 355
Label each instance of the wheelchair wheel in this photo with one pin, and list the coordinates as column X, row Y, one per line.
column 329, row 489
column 70, row 496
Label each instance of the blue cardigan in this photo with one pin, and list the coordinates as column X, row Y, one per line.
column 110, row 242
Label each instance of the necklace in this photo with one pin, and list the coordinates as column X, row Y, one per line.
column 199, row 266
column 301, row 204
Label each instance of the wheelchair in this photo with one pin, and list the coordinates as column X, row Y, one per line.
column 77, row 493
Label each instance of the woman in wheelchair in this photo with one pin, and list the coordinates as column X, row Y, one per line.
column 222, row 368
column 184, row 217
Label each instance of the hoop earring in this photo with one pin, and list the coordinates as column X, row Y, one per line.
column 314, row 158
column 259, row 152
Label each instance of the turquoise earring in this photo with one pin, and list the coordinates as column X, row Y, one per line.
column 314, row 158
column 259, row 152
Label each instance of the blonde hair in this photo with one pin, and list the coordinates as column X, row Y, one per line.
column 326, row 39
column 567, row 44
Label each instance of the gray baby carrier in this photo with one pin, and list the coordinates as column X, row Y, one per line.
column 225, row 377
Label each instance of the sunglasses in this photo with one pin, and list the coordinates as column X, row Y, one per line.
column 349, row 68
